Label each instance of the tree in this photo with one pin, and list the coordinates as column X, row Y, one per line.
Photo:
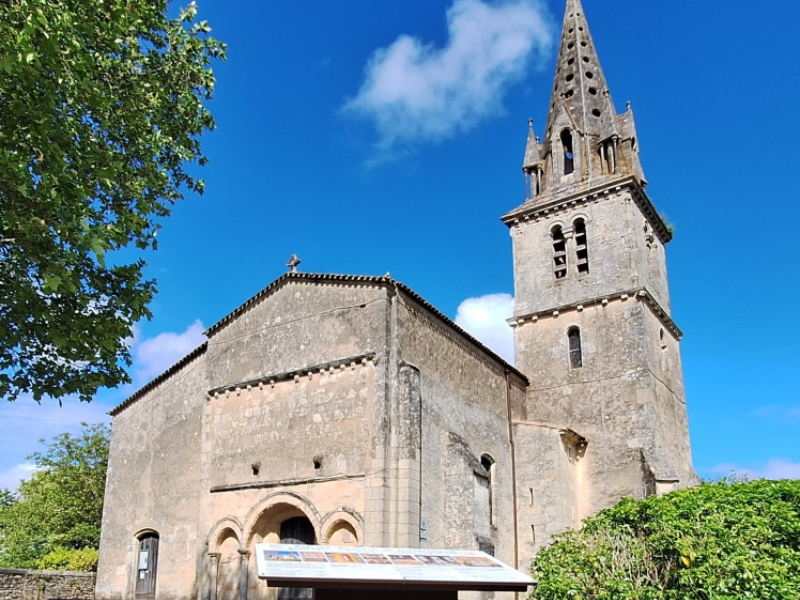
column 101, row 110
column 54, row 519
column 718, row 541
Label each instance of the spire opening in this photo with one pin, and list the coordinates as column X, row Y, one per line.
column 569, row 157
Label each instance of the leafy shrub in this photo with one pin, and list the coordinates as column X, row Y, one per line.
column 69, row 559
column 719, row 541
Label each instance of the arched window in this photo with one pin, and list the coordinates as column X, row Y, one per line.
column 559, row 252
column 487, row 462
column 575, row 350
column 581, row 248
column 147, row 565
column 569, row 157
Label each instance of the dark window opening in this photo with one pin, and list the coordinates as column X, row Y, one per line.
column 487, row 462
column 569, row 158
column 575, row 351
column 559, row 253
column 581, row 246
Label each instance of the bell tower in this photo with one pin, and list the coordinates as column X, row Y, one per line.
column 592, row 322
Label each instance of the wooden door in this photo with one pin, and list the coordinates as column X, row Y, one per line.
column 147, row 566
column 297, row 530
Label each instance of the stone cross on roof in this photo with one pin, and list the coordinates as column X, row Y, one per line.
column 292, row 264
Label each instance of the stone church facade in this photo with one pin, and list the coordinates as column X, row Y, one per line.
column 347, row 410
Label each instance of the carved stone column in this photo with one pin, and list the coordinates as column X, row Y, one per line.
column 213, row 570
column 244, row 554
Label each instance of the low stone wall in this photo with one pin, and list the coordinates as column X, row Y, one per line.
column 17, row 584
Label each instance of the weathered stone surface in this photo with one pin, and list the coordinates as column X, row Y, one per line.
column 18, row 584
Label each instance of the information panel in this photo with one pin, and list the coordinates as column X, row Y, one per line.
column 347, row 566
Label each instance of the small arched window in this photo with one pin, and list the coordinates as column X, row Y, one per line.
column 569, row 157
column 581, row 247
column 559, row 252
column 575, row 350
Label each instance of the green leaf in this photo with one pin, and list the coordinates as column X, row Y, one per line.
column 51, row 284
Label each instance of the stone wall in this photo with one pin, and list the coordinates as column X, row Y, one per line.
column 45, row 585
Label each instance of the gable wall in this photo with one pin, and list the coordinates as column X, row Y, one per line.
column 298, row 325
column 154, row 483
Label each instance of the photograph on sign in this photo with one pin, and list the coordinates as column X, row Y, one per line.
column 340, row 565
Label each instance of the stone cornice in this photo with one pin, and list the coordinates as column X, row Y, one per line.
column 260, row 485
column 640, row 294
column 340, row 364
column 583, row 194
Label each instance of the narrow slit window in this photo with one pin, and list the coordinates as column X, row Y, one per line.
column 487, row 462
column 569, row 157
column 575, row 350
column 559, row 253
column 581, row 247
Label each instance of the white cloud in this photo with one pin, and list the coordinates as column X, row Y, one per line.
column 416, row 92
column 153, row 356
column 25, row 422
column 485, row 319
column 10, row 478
column 775, row 468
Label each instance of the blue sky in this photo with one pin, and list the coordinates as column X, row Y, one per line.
column 369, row 137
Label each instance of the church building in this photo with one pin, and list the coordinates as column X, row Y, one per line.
column 347, row 410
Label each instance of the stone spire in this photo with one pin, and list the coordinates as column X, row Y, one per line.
column 580, row 89
column 585, row 141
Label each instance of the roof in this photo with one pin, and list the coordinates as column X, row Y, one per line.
column 320, row 278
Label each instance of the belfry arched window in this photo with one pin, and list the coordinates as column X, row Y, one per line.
column 559, row 252
column 581, row 247
column 575, row 349
column 569, row 157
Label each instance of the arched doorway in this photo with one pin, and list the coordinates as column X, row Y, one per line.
column 147, row 566
column 296, row 530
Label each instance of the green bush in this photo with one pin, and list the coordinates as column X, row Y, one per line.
column 69, row 559
column 719, row 541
